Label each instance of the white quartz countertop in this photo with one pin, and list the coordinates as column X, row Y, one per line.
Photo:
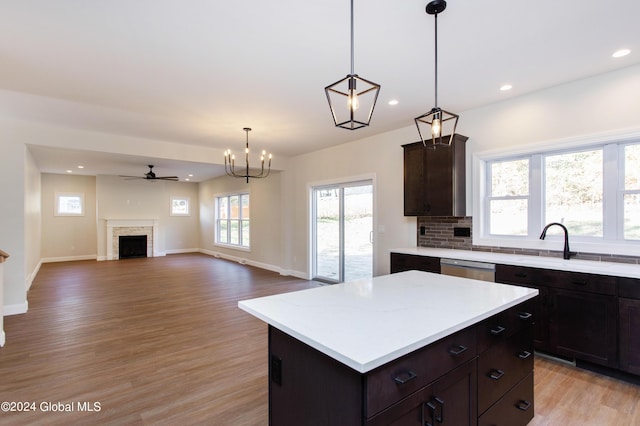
column 573, row 265
column 369, row 322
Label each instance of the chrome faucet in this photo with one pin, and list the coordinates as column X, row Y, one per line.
column 566, row 252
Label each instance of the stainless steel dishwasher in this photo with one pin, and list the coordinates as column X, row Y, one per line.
column 468, row 269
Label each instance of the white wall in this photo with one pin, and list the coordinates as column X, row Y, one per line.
column 266, row 207
column 118, row 198
column 68, row 237
column 33, row 218
column 599, row 106
column 380, row 156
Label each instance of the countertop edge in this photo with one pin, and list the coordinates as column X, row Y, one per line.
column 573, row 265
column 369, row 366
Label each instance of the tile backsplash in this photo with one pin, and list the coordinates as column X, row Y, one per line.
column 438, row 231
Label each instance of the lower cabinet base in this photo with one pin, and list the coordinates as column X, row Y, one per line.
column 515, row 408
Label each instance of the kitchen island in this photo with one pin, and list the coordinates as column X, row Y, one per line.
column 405, row 348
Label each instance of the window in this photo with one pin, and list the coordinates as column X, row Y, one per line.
column 232, row 220
column 69, row 204
column 179, row 206
column 631, row 192
column 509, row 197
column 594, row 191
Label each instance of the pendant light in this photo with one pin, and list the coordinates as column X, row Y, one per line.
column 353, row 98
column 431, row 125
column 230, row 163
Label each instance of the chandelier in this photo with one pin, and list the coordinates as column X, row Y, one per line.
column 230, row 163
column 431, row 124
column 353, row 98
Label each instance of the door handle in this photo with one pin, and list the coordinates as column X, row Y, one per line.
column 371, row 237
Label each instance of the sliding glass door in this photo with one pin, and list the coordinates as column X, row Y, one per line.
column 342, row 231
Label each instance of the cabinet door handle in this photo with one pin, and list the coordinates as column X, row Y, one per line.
column 523, row 405
column 407, row 377
column 497, row 330
column 521, row 274
column 579, row 282
column 524, row 354
column 525, row 315
column 496, row 374
column 431, row 407
column 457, row 350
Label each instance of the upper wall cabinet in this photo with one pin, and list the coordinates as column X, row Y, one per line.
column 434, row 179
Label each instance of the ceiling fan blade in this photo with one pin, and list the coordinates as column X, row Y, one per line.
column 131, row 177
column 167, row 177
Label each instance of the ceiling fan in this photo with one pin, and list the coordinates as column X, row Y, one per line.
column 150, row 175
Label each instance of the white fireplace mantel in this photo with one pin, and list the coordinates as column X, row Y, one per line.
column 129, row 223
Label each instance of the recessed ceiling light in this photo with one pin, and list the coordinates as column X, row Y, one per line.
column 190, row 175
column 393, row 102
column 505, row 87
column 187, row 179
column 81, row 167
column 69, row 171
column 620, row 53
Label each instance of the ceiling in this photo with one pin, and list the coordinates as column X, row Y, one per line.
column 197, row 71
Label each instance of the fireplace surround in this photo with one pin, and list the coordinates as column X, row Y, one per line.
column 118, row 227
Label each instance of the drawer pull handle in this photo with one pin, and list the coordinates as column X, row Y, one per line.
column 457, row 350
column 497, row 330
column 525, row 315
column 524, row 354
column 579, row 282
column 409, row 375
column 521, row 274
column 523, row 405
column 496, row 374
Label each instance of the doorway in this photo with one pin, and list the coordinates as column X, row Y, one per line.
column 342, row 231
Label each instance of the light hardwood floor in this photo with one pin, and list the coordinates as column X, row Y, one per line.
column 161, row 341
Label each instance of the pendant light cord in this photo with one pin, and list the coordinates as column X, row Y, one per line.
column 352, row 49
column 436, row 61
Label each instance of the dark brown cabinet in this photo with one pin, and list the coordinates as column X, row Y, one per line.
column 434, row 385
column 576, row 313
column 629, row 324
column 409, row 262
column 434, row 179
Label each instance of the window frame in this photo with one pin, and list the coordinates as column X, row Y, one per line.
column 57, row 204
column 612, row 241
column 174, row 213
column 228, row 220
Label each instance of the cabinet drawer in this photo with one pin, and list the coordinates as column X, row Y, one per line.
column 407, row 262
column 393, row 381
column 505, row 324
column 514, row 409
column 629, row 288
column 591, row 283
column 503, row 366
column 515, row 275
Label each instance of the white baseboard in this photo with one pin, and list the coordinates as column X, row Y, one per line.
column 68, row 258
column 181, row 251
column 18, row 308
column 243, row 261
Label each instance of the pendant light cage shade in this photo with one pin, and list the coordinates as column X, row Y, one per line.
column 436, row 127
column 352, row 101
column 437, row 122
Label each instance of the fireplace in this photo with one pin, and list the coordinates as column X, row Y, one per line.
column 132, row 246
column 131, row 227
